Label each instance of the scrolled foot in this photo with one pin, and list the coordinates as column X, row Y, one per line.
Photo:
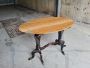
column 63, row 52
column 33, row 54
column 41, row 58
column 62, row 46
column 61, row 43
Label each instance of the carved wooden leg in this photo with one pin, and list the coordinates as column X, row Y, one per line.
column 57, row 42
column 33, row 54
column 62, row 46
column 37, row 50
column 61, row 42
column 41, row 58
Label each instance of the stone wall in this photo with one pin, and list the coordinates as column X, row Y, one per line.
column 6, row 2
column 79, row 10
column 47, row 6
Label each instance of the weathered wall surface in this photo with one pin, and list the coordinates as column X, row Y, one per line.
column 79, row 10
column 47, row 6
column 6, row 2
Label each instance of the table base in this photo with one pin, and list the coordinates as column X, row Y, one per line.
column 38, row 48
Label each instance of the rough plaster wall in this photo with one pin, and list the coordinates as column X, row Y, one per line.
column 47, row 6
column 79, row 10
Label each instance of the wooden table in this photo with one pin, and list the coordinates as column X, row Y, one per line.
column 46, row 25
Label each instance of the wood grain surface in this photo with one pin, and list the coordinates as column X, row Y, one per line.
column 46, row 25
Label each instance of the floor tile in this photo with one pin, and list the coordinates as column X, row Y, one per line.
column 21, row 61
column 6, row 60
column 53, row 58
column 24, row 42
column 79, row 59
column 5, row 50
column 76, row 40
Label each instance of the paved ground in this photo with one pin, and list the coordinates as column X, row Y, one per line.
column 14, row 51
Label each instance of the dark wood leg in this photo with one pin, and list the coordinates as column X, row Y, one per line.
column 61, row 42
column 57, row 42
column 41, row 58
column 33, row 54
column 37, row 50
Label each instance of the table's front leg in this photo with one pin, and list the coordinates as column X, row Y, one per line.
column 37, row 38
column 37, row 49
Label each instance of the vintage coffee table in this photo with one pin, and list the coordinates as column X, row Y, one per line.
column 46, row 25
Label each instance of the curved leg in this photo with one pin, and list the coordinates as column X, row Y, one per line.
column 41, row 58
column 61, row 42
column 57, row 42
column 62, row 46
column 38, row 49
column 33, row 55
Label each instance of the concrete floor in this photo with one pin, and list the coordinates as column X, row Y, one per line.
column 14, row 51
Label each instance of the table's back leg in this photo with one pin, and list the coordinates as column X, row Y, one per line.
column 61, row 42
column 62, row 46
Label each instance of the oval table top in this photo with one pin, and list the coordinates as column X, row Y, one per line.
column 46, row 25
